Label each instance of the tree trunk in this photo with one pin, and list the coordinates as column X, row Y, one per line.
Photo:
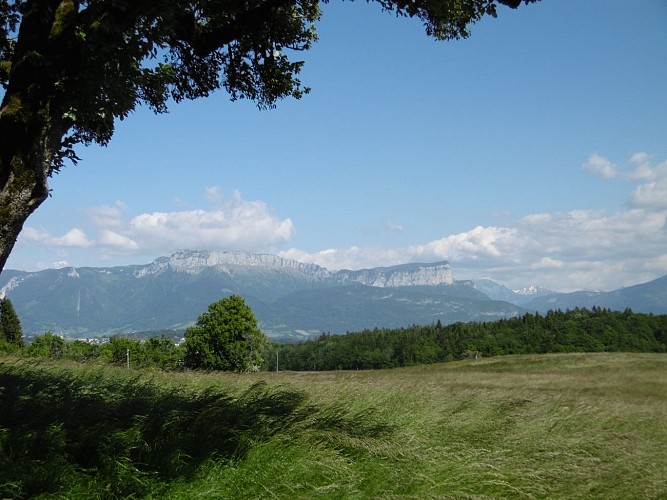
column 24, row 175
column 30, row 137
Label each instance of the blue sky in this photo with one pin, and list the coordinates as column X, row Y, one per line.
column 534, row 152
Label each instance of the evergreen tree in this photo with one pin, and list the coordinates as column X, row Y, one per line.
column 10, row 326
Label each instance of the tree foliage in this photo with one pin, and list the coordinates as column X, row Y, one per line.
column 580, row 330
column 48, row 345
column 71, row 68
column 11, row 333
column 225, row 338
column 155, row 352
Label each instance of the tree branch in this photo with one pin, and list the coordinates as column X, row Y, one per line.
column 205, row 40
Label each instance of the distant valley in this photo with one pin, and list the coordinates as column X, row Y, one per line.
column 291, row 300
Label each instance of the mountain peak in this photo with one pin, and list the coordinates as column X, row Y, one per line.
column 229, row 262
column 195, row 261
column 529, row 290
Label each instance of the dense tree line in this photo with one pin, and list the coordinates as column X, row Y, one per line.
column 580, row 330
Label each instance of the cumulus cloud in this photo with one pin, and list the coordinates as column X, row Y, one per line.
column 651, row 193
column 600, row 166
column 644, row 170
column 73, row 238
column 116, row 240
column 576, row 249
column 235, row 224
column 240, row 225
column 579, row 249
column 480, row 243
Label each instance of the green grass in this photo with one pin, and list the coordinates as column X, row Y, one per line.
column 550, row 426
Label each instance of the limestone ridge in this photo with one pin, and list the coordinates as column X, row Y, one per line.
column 291, row 299
column 439, row 273
column 195, row 261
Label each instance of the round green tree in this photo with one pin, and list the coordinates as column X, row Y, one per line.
column 225, row 338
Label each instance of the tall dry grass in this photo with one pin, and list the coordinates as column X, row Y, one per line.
column 550, row 426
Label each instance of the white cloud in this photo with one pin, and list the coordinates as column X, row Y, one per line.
column 537, row 218
column 652, row 195
column 392, row 226
column 349, row 258
column 73, row 238
column 640, row 158
column 117, row 241
column 214, row 194
column 580, row 249
column 594, row 249
column 644, row 170
column 478, row 243
column 600, row 166
column 105, row 215
column 236, row 224
column 34, row 235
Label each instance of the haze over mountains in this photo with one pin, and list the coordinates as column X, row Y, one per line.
column 290, row 299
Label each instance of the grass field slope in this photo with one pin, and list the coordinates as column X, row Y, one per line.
column 536, row 426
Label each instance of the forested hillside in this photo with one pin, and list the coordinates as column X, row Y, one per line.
column 580, row 330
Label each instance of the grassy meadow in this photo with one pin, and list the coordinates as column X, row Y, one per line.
column 536, row 426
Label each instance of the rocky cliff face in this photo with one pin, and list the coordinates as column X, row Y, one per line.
column 439, row 273
column 195, row 261
column 232, row 263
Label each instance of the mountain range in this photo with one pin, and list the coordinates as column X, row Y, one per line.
column 291, row 299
